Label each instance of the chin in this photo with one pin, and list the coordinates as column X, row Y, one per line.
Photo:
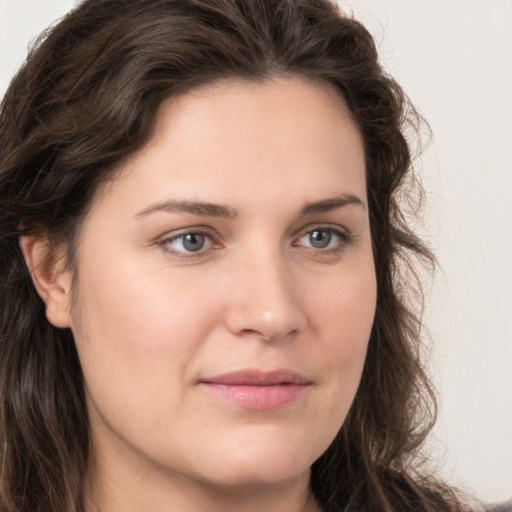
column 275, row 473
column 261, row 464
column 274, row 452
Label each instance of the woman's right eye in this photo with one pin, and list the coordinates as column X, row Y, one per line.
column 187, row 243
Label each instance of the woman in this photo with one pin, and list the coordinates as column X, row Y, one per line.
column 203, row 261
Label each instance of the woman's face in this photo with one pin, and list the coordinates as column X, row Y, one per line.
column 226, row 287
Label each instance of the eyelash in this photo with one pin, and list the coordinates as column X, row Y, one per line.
column 166, row 242
column 344, row 239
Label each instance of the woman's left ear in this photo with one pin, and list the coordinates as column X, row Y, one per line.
column 51, row 280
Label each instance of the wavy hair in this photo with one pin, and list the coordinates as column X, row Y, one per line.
column 86, row 99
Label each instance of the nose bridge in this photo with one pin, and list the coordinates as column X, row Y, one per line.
column 265, row 301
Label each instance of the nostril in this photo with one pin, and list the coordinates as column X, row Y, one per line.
column 267, row 337
column 256, row 334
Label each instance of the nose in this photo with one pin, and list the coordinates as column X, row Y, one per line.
column 264, row 300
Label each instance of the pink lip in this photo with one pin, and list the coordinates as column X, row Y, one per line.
column 256, row 389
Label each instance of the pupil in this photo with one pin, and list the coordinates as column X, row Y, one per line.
column 320, row 238
column 193, row 242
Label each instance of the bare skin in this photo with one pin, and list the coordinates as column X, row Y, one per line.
column 237, row 240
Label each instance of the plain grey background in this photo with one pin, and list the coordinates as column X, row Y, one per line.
column 454, row 59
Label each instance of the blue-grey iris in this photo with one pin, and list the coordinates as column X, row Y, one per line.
column 193, row 242
column 320, row 238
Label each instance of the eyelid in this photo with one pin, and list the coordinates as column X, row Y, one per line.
column 164, row 241
column 345, row 236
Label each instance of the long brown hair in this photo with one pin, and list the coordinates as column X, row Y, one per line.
column 86, row 99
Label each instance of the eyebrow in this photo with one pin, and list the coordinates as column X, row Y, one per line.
column 193, row 207
column 334, row 203
column 204, row 209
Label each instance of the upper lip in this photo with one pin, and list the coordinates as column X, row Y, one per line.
column 254, row 377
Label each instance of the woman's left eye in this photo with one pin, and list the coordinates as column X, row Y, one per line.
column 323, row 238
column 187, row 243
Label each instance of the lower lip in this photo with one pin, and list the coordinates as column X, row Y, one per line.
column 258, row 397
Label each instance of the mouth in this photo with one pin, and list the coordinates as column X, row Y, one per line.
column 256, row 389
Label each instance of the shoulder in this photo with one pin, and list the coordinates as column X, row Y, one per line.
column 503, row 507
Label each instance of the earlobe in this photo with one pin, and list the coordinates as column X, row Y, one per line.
column 51, row 280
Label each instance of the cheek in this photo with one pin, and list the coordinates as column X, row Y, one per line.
column 346, row 305
column 132, row 328
column 137, row 335
column 345, row 314
column 341, row 318
column 133, row 306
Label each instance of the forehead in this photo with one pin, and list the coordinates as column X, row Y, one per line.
column 271, row 100
column 230, row 136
